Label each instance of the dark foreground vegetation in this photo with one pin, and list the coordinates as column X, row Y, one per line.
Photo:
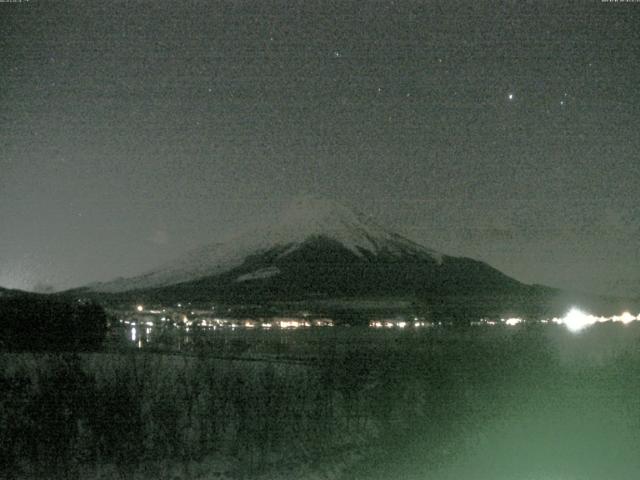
column 404, row 405
column 38, row 323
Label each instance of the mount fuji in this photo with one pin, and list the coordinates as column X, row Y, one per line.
column 317, row 248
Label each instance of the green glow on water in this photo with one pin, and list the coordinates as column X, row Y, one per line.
column 574, row 418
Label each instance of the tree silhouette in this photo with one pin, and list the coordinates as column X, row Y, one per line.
column 41, row 323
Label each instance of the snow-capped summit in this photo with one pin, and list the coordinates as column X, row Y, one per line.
column 304, row 218
column 310, row 216
column 313, row 246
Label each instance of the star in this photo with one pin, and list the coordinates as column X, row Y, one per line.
column 510, row 96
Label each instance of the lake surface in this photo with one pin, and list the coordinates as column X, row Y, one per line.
column 573, row 419
column 484, row 403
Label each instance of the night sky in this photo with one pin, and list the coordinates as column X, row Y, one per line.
column 131, row 132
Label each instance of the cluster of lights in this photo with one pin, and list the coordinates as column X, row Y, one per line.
column 513, row 321
column 288, row 323
column 577, row 320
column 396, row 324
column 292, row 324
column 215, row 323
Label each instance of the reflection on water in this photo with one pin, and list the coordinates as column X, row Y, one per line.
column 573, row 416
column 176, row 329
column 502, row 402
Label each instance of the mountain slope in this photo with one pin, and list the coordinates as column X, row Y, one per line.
column 316, row 248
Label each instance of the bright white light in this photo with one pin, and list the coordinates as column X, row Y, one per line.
column 289, row 324
column 510, row 96
column 133, row 334
column 140, row 308
column 626, row 317
column 576, row 320
column 402, row 324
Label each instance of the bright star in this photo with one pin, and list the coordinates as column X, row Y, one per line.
column 510, row 96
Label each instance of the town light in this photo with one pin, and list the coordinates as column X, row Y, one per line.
column 576, row 320
column 626, row 317
column 513, row 321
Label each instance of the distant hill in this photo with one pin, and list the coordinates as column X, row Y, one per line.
column 5, row 292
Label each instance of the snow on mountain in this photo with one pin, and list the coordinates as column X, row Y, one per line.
column 259, row 274
column 311, row 216
column 304, row 218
